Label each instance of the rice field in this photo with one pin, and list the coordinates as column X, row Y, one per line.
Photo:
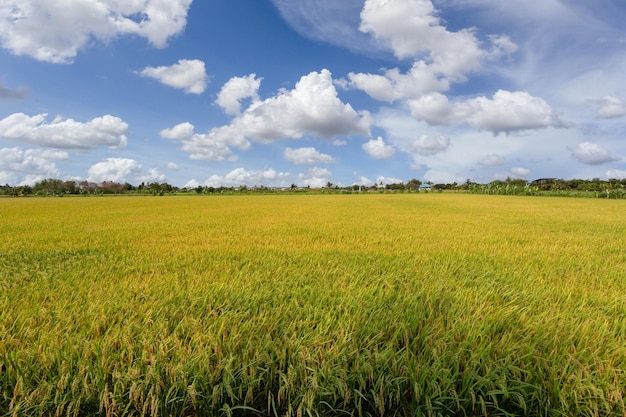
column 305, row 305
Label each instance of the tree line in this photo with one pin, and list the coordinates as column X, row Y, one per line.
column 57, row 187
column 612, row 188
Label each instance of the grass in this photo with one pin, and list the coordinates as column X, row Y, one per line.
column 420, row 305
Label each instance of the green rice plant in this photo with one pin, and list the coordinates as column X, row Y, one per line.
column 361, row 305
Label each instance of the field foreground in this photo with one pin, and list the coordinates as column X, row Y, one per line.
column 383, row 305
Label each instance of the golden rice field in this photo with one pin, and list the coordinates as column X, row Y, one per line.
column 304, row 305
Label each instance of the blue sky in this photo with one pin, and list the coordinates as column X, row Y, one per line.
column 306, row 92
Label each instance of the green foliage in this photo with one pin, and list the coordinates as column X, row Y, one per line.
column 364, row 305
column 612, row 189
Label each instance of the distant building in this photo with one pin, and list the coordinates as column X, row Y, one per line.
column 542, row 181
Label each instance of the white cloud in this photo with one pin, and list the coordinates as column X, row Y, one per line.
column 26, row 167
column 508, row 112
column 237, row 89
column 467, row 158
column 364, row 181
column 493, row 160
column 441, row 176
column 381, row 180
column 54, row 31
column 501, row 45
column 592, row 154
column 172, row 166
column 609, row 107
column 315, row 178
column 413, row 29
column 616, row 173
column 434, row 109
column 188, row 75
column 519, row 171
column 181, row 131
column 123, row 170
column 307, row 156
column 311, row 108
column 505, row 112
column 64, row 133
column 394, row 85
column 118, row 170
column 151, row 175
column 427, row 145
column 193, row 183
column 240, row 176
column 214, row 146
column 377, row 148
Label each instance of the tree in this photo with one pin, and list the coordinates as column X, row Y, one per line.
column 414, row 184
column 48, row 186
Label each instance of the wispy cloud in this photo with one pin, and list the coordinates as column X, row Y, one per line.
column 331, row 21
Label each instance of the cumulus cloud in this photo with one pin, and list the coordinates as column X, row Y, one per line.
column 427, row 145
column 381, row 180
column 307, row 156
column 315, row 177
column 64, row 133
column 192, row 183
column 26, row 167
column 214, row 146
column 311, row 108
column 377, row 148
column 364, row 181
column 118, row 170
column 412, row 29
column 493, row 160
column 54, row 31
column 616, row 173
column 237, row 89
column 151, row 175
column 123, row 170
column 506, row 112
column 8, row 94
column 592, row 154
column 393, row 85
column 609, row 107
column 509, row 112
column 188, row 75
column 240, row 176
